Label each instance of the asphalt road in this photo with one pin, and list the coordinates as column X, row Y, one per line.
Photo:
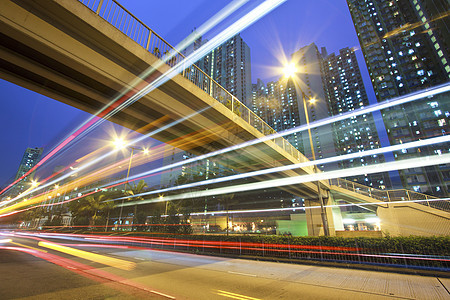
column 44, row 267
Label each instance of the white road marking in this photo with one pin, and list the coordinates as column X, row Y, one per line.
column 245, row 274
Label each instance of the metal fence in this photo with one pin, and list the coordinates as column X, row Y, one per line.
column 408, row 252
column 392, row 195
column 118, row 16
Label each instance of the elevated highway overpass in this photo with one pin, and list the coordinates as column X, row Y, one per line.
column 87, row 55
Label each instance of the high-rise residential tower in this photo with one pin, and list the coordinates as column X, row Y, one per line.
column 345, row 93
column 336, row 84
column 29, row 160
column 282, row 105
column 311, row 81
column 406, row 48
column 229, row 65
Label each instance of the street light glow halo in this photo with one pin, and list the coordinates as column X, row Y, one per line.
column 119, row 143
column 289, row 70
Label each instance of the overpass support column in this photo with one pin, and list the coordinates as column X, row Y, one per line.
column 315, row 215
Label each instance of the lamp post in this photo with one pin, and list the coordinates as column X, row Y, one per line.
column 289, row 71
column 120, row 143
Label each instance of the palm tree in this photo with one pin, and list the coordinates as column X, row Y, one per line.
column 134, row 190
column 94, row 206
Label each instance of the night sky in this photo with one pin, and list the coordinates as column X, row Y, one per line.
column 31, row 120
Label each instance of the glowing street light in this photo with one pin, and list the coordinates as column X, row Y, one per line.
column 289, row 72
column 120, row 143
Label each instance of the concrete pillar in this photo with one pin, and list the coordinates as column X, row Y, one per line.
column 314, row 218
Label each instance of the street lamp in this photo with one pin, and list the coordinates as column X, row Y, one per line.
column 120, row 144
column 289, row 72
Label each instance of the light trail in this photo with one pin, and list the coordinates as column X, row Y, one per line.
column 153, row 243
column 420, row 143
column 344, row 116
column 372, row 108
column 382, row 167
column 120, row 103
column 302, row 208
column 95, row 161
column 109, row 261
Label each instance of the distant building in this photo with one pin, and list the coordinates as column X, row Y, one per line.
column 406, row 48
column 336, row 84
column 230, row 66
column 281, row 105
column 345, row 93
column 29, row 160
column 311, row 79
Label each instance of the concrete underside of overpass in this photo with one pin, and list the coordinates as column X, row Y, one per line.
column 63, row 50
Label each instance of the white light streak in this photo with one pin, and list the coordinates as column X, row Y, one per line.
column 420, row 143
column 229, row 32
column 382, row 167
column 368, row 109
column 232, row 30
column 293, row 209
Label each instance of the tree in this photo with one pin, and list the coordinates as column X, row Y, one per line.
column 92, row 208
column 33, row 214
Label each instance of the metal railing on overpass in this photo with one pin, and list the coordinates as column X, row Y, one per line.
column 392, row 195
column 122, row 19
column 118, row 16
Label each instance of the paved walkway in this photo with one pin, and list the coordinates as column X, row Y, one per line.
column 271, row 280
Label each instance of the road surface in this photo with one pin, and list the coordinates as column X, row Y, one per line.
column 39, row 266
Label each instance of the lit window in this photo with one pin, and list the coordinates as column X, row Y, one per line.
column 434, row 104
